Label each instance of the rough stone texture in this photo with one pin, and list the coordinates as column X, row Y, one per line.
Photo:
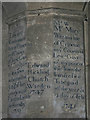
column 0, row 61
column 87, row 58
column 41, row 91
column 88, row 92
column 39, row 40
column 88, row 31
column 64, row 5
column 13, row 8
column 5, row 65
column 48, row 39
column 88, row 66
column 64, row 60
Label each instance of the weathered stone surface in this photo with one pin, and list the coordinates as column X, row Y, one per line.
column 1, row 61
column 46, row 66
column 13, row 8
column 88, row 65
column 17, row 69
column 65, row 5
column 68, row 58
column 4, row 65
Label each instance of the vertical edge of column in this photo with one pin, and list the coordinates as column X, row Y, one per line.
column 88, row 61
column 0, row 60
column 4, row 64
column 87, row 58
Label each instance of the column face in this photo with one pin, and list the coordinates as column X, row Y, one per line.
column 17, row 65
column 68, row 68
column 46, row 67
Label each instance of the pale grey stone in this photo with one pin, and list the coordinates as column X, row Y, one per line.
column 44, row 40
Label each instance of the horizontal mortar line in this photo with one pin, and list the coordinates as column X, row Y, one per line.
column 53, row 13
column 54, row 8
column 51, row 8
column 12, row 20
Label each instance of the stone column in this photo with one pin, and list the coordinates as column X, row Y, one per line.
column 46, row 61
column 88, row 61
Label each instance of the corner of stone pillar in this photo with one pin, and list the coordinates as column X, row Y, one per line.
column 87, row 57
column 11, row 12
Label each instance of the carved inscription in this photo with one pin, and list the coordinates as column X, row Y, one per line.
column 38, row 78
column 17, row 68
column 51, row 70
column 68, row 65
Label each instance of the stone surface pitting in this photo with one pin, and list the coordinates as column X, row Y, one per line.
column 46, row 67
